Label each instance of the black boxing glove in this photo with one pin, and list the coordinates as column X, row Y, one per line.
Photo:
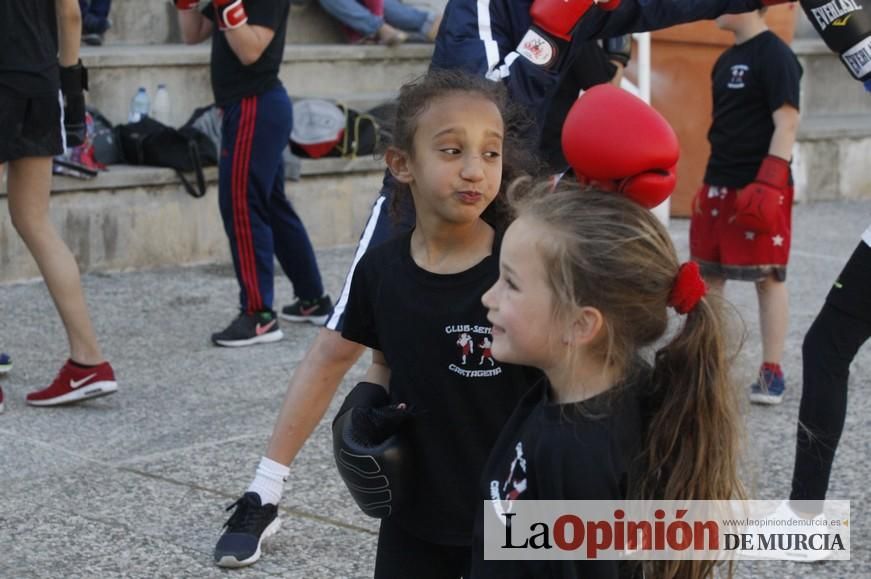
column 845, row 27
column 371, row 454
column 73, row 83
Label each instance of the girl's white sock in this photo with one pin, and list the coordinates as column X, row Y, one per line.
column 269, row 481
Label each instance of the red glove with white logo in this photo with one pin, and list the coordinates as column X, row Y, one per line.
column 758, row 205
column 551, row 32
column 230, row 13
column 615, row 141
column 185, row 5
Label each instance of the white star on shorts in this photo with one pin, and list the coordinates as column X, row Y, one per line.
column 777, row 240
column 714, row 212
column 749, row 235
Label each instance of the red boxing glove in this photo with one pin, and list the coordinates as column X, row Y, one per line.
column 758, row 205
column 549, row 37
column 230, row 13
column 184, row 5
column 617, row 142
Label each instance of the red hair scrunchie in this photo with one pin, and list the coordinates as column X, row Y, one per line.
column 688, row 288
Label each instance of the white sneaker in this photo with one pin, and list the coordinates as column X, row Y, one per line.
column 792, row 537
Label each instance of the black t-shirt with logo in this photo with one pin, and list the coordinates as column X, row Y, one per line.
column 434, row 334
column 751, row 80
column 231, row 80
column 548, row 451
column 28, row 47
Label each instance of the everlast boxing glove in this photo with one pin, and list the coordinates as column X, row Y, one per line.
column 230, row 13
column 372, row 457
column 73, row 83
column 617, row 142
column 548, row 39
column 845, row 26
column 758, row 205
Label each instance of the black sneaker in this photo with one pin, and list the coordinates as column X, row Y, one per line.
column 312, row 311
column 250, row 329
column 245, row 530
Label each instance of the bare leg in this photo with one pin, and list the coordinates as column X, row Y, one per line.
column 29, row 186
column 311, row 388
column 773, row 318
column 716, row 285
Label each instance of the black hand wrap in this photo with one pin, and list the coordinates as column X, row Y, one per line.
column 73, row 83
column 619, row 48
column 373, row 459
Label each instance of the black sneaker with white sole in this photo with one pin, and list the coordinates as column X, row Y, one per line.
column 312, row 311
column 250, row 329
column 245, row 531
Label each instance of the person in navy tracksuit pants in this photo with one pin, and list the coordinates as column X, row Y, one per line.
column 247, row 49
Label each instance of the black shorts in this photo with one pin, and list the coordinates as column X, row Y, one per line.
column 30, row 126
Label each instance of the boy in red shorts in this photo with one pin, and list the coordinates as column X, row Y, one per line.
column 741, row 222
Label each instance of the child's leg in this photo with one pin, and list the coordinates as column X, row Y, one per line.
column 401, row 554
column 830, row 345
column 773, row 318
column 293, row 247
column 29, row 185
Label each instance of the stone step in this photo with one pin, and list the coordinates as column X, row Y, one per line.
column 368, row 73
column 156, row 22
column 132, row 218
column 826, row 86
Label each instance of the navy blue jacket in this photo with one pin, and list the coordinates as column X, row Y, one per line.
column 480, row 36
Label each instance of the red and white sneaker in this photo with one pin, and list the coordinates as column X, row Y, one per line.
column 74, row 384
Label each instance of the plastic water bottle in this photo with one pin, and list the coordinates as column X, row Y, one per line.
column 140, row 106
column 161, row 105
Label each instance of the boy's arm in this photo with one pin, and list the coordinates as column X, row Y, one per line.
column 195, row 27
column 69, row 28
column 248, row 41
column 785, row 129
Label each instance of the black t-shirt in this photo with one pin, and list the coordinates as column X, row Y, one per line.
column 590, row 67
column 434, row 334
column 231, row 80
column 751, row 80
column 548, row 451
column 28, row 47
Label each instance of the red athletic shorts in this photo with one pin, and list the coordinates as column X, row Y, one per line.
column 724, row 250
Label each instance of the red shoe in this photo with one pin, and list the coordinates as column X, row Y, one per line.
column 1, row 399
column 74, row 384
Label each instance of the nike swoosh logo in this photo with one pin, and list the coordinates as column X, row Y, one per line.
column 76, row 383
column 260, row 330
column 308, row 311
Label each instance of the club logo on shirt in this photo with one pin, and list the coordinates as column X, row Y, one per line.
column 473, row 343
column 834, row 13
column 738, row 73
column 514, row 485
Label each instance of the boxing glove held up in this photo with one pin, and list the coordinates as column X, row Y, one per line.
column 230, row 14
column 73, row 83
column 758, row 205
column 845, row 26
column 549, row 37
column 617, row 142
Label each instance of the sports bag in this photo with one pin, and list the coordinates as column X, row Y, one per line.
column 149, row 142
column 323, row 128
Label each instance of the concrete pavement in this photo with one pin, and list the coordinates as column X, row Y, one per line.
column 134, row 485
